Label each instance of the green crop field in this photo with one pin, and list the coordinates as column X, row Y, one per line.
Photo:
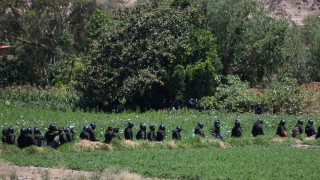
column 192, row 158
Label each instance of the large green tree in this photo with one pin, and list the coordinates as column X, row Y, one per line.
column 44, row 33
column 159, row 53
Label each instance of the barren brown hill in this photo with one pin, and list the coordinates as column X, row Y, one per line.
column 295, row 10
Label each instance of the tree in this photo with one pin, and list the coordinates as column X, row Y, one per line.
column 152, row 58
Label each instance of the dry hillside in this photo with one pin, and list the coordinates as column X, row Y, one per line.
column 295, row 10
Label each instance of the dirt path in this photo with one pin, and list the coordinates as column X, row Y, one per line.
column 10, row 172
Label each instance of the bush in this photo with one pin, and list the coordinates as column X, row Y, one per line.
column 236, row 96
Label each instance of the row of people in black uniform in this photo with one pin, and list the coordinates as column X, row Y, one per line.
column 54, row 137
column 28, row 136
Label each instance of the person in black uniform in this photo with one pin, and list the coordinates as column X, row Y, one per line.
column 115, row 134
column 151, row 134
column 298, row 129
column 216, row 130
column 161, row 134
column 142, row 135
column 310, row 131
column 318, row 134
column 258, row 109
column 236, row 130
column 281, row 130
column 199, row 130
column 176, row 133
column 8, row 135
column 28, row 138
column 62, row 136
column 108, row 135
column 21, row 143
column 51, row 134
column 128, row 135
column 4, row 134
column 92, row 132
column 85, row 133
column 38, row 137
column 257, row 128
column 69, row 135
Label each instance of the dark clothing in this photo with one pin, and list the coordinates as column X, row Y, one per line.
column 93, row 136
column 49, row 137
column 216, row 132
column 116, row 136
column 281, row 131
column 236, row 131
column 62, row 138
column 257, row 129
column 310, row 131
column 198, row 130
column 108, row 136
column 151, row 136
column 4, row 134
column 28, row 140
column 297, row 130
column 39, row 139
column 141, row 135
column 20, row 141
column 176, row 134
column 10, row 138
column 258, row 109
column 85, row 135
column 161, row 134
column 70, row 136
column 128, row 135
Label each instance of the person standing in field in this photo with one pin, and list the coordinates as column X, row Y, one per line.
column 151, row 134
column 161, row 134
column 51, row 134
column 8, row 136
column 28, row 138
column 298, row 129
column 199, row 130
column 216, row 133
column 85, row 133
column 257, row 128
column 108, row 135
column 115, row 134
column 236, row 130
column 310, row 131
column 281, row 130
column 142, row 135
column 128, row 134
column 176, row 133
column 92, row 132
column 38, row 137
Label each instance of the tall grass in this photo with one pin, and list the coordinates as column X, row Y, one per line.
column 30, row 97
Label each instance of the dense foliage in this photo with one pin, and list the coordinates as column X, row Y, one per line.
column 155, row 53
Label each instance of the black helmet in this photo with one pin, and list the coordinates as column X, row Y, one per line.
column 143, row 126
column 311, row 121
column 36, row 130
column 178, row 128
column 130, row 124
column 237, row 122
column 152, row 127
column 110, row 128
column 11, row 129
column 200, row 124
column 282, row 122
column 260, row 121
column 300, row 121
column 23, row 130
column 29, row 130
column 66, row 129
column 93, row 125
column 85, row 128
column 217, row 123
column 52, row 127
column 162, row 127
